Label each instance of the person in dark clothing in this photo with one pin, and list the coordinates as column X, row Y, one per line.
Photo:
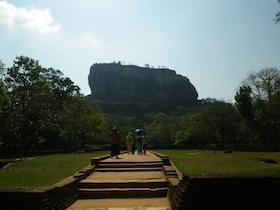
column 138, row 142
column 115, row 142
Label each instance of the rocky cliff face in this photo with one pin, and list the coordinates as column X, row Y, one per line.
column 129, row 89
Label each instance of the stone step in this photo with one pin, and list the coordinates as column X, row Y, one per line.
column 130, row 165
column 115, row 161
column 127, row 169
column 122, row 204
column 85, row 193
column 128, row 184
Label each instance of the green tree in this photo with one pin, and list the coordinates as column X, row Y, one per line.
column 192, row 131
column 5, row 104
column 158, row 129
column 264, row 83
column 23, row 81
column 161, row 118
column 83, row 122
column 4, row 97
column 36, row 95
column 181, row 139
column 265, row 94
column 223, row 119
column 243, row 102
column 124, row 124
column 2, row 70
column 61, row 87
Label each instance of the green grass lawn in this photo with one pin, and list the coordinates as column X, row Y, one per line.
column 201, row 162
column 47, row 170
column 44, row 170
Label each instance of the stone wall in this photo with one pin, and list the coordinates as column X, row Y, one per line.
column 229, row 193
column 56, row 197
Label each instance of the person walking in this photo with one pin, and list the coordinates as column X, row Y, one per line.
column 129, row 142
column 115, row 142
column 144, row 143
column 138, row 142
column 134, row 145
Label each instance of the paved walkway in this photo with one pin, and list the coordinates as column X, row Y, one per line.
column 132, row 182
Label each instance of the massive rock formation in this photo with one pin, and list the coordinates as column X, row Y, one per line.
column 130, row 89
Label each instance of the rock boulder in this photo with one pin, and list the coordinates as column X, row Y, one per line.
column 133, row 90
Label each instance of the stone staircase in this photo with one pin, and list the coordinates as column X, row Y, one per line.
column 142, row 180
column 129, row 181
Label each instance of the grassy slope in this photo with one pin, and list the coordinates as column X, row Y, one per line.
column 44, row 170
column 199, row 162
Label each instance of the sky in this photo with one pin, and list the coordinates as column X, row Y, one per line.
column 214, row 43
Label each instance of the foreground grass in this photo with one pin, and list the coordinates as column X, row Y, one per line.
column 45, row 170
column 200, row 162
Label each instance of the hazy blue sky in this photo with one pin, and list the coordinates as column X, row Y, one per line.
column 215, row 43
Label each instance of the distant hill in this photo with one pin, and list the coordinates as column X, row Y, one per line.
column 134, row 90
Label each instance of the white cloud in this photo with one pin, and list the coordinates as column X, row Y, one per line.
column 28, row 18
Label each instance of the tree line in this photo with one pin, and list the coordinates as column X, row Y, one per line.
column 41, row 110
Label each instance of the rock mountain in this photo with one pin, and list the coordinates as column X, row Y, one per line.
column 134, row 90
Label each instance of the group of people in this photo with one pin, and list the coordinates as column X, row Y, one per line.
column 137, row 142
column 134, row 142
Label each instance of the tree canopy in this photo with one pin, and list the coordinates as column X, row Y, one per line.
column 37, row 104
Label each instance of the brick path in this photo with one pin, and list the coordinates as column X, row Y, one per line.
column 132, row 182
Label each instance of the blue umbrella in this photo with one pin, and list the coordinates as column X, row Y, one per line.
column 139, row 130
